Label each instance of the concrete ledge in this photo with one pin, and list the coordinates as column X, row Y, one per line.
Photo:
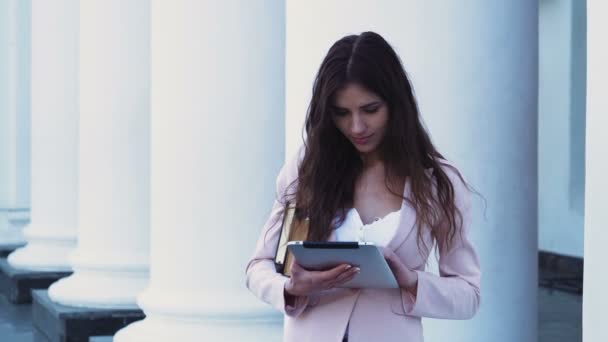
column 16, row 284
column 560, row 272
column 60, row 323
column 6, row 249
column 101, row 339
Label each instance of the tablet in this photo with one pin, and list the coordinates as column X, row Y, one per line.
column 318, row 256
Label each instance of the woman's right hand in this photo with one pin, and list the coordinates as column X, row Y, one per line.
column 304, row 282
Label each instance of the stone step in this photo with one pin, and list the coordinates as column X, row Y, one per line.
column 59, row 323
column 16, row 284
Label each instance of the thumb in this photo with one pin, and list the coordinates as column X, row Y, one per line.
column 295, row 266
column 385, row 252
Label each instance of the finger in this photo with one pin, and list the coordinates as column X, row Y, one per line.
column 296, row 269
column 328, row 286
column 347, row 279
column 331, row 274
column 300, row 267
column 347, row 275
column 344, row 278
column 389, row 254
column 344, row 275
column 382, row 251
column 295, row 266
column 328, row 278
column 390, row 262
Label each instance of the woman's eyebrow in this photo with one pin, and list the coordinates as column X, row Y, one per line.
column 362, row 106
column 370, row 104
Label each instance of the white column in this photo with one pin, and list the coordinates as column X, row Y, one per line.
column 595, row 281
column 561, row 119
column 217, row 145
column 111, row 260
column 14, row 122
column 19, row 216
column 474, row 70
column 51, row 236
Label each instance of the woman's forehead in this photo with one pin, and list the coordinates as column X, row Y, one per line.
column 354, row 95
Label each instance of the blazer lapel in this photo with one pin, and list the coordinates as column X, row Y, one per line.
column 407, row 219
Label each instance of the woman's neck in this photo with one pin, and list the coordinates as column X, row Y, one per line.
column 371, row 160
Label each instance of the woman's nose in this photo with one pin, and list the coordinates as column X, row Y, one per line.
column 358, row 125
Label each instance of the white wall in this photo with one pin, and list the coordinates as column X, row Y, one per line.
column 595, row 283
column 561, row 144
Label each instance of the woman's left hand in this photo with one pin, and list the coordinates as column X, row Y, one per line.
column 406, row 278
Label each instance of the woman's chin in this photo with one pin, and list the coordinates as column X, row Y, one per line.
column 365, row 149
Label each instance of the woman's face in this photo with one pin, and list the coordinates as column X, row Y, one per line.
column 361, row 116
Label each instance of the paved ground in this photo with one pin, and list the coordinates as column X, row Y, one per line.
column 559, row 316
column 15, row 322
column 559, row 319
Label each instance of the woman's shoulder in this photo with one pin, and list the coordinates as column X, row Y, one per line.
column 449, row 167
column 462, row 191
column 453, row 172
column 288, row 175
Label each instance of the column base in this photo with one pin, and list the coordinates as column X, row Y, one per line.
column 10, row 233
column 161, row 329
column 209, row 314
column 18, row 218
column 99, row 289
column 12, row 236
column 42, row 256
column 16, row 284
column 6, row 249
column 47, row 249
column 55, row 322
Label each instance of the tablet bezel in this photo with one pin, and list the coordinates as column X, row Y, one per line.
column 375, row 272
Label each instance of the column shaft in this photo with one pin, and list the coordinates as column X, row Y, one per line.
column 595, row 280
column 217, row 145
column 51, row 234
column 111, row 260
column 14, row 122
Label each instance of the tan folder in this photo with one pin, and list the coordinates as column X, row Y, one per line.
column 292, row 229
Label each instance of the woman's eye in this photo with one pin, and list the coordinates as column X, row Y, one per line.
column 340, row 112
column 371, row 110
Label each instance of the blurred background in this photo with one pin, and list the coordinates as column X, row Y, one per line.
column 140, row 141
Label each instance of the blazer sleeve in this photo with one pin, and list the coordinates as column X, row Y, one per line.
column 262, row 279
column 456, row 292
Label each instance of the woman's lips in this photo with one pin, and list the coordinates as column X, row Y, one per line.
column 362, row 141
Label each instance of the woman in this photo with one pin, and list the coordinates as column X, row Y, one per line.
column 369, row 172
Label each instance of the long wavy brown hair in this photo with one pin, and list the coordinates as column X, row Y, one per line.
column 331, row 164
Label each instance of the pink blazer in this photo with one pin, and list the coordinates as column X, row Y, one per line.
column 373, row 314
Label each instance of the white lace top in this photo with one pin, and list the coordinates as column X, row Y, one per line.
column 380, row 232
